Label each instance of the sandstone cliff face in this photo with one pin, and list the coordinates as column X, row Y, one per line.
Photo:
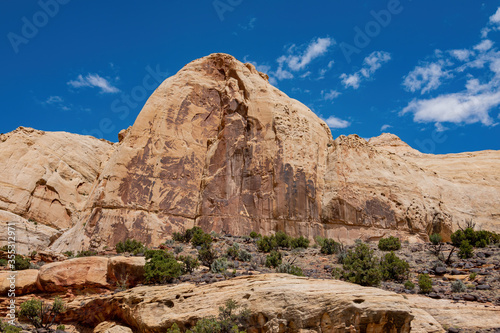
column 217, row 146
column 45, row 181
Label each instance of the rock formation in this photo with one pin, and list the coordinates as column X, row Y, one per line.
column 217, row 146
column 277, row 302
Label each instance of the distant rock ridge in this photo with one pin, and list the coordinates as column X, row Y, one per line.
column 217, row 146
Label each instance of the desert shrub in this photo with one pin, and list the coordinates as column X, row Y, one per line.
column 174, row 329
column 266, row 244
column 161, row 267
column 7, row 328
column 200, row 238
column 435, row 239
column 233, row 251
column 319, row 240
column 60, row 327
column 244, row 255
column 361, row 266
column 282, row 239
column 458, row 286
column 69, row 254
column 457, row 238
column 393, row 268
column 300, row 242
column 481, row 238
column 254, row 235
column 219, row 265
column 178, row 237
column 273, row 259
column 424, row 283
column 21, row 263
column 207, row 255
column 466, row 250
column 190, row 264
column 232, row 319
column 329, row 246
column 389, row 244
column 472, row 276
column 289, row 269
column 129, row 246
column 178, row 249
column 39, row 314
column 3, row 262
column 86, row 253
column 409, row 285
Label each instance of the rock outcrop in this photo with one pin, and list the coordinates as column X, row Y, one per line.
column 219, row 147
column 277, row 302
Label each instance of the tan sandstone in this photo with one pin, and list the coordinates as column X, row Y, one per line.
column 277, row 302
column 128, row 271
column 111, row 327
column 25, row 281
column 78, row 273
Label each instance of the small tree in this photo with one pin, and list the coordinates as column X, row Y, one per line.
column 190, row 264
column 424, row 283
column 329, row 246
column 393, row 268
column 41, row 315
column 273, row 259
column 130, row 246
column 361, row 266
column 466, row 250
column 207, row 255
column 161, row 267
column 300, row 242
column 389, row 244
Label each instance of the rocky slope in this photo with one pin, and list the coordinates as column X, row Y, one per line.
column 217, row 146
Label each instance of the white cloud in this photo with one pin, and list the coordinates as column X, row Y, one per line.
column 462, row 55
column 54, row 100
column 250, row 25
column 370, row 65
column 93, row 81
column 334, row 122
column 385, row 127
column 330, row 95
column 495, row 18
column 463, row 107
column 485, row 45
column 426, row 77
column 316, row 48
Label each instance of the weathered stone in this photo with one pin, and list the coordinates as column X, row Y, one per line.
column 126, row 270
column 277, row 302
column 25, row 281
column 78, row 273
column 111, row 327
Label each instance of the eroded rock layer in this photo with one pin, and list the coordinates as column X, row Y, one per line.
column 217, row 146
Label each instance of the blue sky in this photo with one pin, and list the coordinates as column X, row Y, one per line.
column 427, row 71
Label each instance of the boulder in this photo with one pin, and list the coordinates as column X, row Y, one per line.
column 111, row 327
column 78, row 273
column 128, row 271
column 26, row 281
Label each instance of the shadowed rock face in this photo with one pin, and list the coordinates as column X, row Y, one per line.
column 217, row 146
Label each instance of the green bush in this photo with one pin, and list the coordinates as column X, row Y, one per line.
column 41, row 315
column 7, row 328
column 389, row 244
column 481, row 238
column 161, row 267
column 254, row 235
column 219, row 265
column 319, row 240
column 207, row 255
column 233, row 251
column 393, row 268
column 466, row 250
column 472, row 276
column 174, row 329
column 409, row 285
column 244, row 255
column 435, row 239
column 69, row 254
column 86, row 253
column 129, row 246
column 361, row 266
column 273, row 259
column 282, row 239
column 457, row 238
column 200, row 238
column 458, row 286
column 178, row 237
column 190, row 264
column 232, row 319
column 21, row 263
column 424, row 283
column 300, row 242
column 266, row 244
column 289, row 269
column 3, row 262
column 329, row 246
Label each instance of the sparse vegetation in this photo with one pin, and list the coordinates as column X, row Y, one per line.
column 39, row 314
column 255, row 235
column 329, row 246
column 190, row 264
column 219, row 265
column 466, row 250
column 300, row 242
column 361, row 266
column 393, row 268
column 267, row 244
column 389, row 244
column 161, row 267
column 274, row 259
column 458, row 286
column 207, row 255
column 86, row 253
column 409, row 285
column 130, row 246
column 21, row 263
column 424, row 283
